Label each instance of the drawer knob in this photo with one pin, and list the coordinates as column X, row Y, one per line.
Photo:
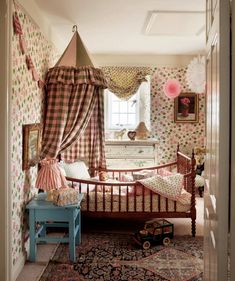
column 141, row 151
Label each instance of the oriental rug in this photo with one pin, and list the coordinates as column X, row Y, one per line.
column 114, row 256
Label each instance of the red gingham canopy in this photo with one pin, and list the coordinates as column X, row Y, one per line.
column 74, row 115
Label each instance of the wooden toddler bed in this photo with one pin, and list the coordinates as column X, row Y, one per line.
column 121, row 199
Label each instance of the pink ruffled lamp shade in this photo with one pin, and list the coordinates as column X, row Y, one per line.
column 49, row 176
column 172, row 88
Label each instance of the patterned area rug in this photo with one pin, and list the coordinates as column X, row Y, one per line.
column 117, row 257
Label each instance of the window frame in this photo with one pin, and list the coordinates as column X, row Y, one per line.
column 108, row 112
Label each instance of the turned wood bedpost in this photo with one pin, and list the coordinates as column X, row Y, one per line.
column 193, row 208
column 177, row 157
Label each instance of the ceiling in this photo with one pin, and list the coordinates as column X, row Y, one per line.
column 149, row 27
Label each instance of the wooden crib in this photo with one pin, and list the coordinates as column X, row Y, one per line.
column 117, row 199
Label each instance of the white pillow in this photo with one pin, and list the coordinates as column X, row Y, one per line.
column 76, row 169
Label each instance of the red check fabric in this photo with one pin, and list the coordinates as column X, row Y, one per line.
column 74, row 115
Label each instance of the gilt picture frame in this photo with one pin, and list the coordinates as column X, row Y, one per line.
column 186, row 108
column 31, row 145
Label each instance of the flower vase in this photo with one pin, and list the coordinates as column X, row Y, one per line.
column 185, row 112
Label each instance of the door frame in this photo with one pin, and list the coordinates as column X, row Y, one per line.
column 232, row 144
column 5, row 156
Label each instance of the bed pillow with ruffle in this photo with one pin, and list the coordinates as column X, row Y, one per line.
column 169, row 187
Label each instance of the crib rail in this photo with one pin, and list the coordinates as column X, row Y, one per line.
column 116, row 197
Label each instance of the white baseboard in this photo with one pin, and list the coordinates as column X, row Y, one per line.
column 17, row 268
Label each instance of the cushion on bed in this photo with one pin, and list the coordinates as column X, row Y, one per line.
column 199, row 181
column 76, row 169
column 169, row 187
column 127, row 178
column 143, row 174
column 184, row 198
column 164, row 172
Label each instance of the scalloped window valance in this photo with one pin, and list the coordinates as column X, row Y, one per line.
column 124, row 81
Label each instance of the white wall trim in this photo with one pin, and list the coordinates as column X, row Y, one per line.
column 18, row 267
column 5, row 90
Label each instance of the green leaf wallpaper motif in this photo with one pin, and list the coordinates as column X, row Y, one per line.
column 163, row 127
column 26, row 102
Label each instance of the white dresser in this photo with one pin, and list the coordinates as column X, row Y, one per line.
column 130, row 154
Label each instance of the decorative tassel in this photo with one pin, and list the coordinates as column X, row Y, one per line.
column 23, row 46
column 16, row 24
column 29, row 62
column 35, row 74
column 40, row 84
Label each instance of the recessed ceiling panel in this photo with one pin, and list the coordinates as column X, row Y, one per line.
column 175, row 23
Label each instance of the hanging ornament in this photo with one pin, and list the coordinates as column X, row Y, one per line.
column 35, row 74
column 195, row 75
column 172, row 88
column 23, row 46
column 16, row 24
column 40, row 83
column 29, row 62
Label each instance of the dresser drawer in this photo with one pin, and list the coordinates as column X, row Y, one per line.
column 129, row 151
column 129, row 163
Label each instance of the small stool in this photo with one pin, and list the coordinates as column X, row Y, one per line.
column 41, row 212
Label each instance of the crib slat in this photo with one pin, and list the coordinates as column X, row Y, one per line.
column 159, row 203
column 87, row 194
column 95, row 198
column 167, row 205
column 119, row 198
column 111, row 198
column 143, row 198
column 127, row 199
column 135, row 197
column 103, row 198
column 151, row 201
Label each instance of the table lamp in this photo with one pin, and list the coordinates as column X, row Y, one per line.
column 50, row 177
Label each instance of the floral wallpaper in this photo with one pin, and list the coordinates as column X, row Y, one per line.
column 26, row 108
column 163, row 127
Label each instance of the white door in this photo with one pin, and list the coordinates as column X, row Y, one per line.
column 217, row 129
column 232, row 185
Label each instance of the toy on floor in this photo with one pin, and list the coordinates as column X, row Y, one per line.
column 200, row 159
column 156, row 230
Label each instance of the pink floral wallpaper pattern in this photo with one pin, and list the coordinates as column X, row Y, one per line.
column 26, row 107
column 163, row 127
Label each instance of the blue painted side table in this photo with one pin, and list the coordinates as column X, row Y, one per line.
column 42, row 212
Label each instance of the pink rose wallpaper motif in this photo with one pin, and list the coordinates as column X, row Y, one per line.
column 26, row 108
column 163, row 127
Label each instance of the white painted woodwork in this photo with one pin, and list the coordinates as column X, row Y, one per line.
column 130, row 154
column 232, row 170
column 5, row 90
column 216, row 194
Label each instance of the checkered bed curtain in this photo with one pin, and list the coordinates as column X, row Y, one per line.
column 74, row 115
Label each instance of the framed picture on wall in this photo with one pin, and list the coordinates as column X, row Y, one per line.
column 31, row 145
column 186, row 108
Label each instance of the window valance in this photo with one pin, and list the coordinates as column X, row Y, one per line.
column 124, row 81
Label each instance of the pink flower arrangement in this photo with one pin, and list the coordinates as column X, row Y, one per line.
column 185, row 102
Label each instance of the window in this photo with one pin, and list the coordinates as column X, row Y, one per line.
column 121, row 114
